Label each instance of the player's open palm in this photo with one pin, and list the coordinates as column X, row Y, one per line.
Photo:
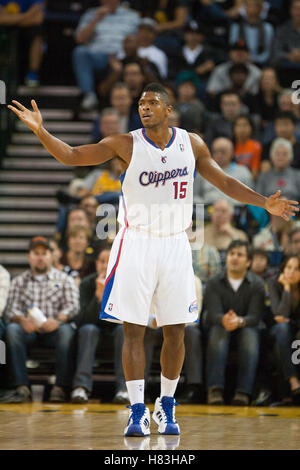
column 281, row 207
column 32, row 119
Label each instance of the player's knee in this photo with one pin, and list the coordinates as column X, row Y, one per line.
column 174, row 334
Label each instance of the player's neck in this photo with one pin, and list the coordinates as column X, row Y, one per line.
column 160, row 136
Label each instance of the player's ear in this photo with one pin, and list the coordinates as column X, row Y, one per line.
column 169, row 109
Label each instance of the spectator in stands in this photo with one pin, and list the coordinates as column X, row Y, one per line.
column 57, row 254
column 100, row 33
column 294, row 241
column 220, row 232
column 220, row 78
column 89, row 204
column 195, row 56
column 191, row 109
column 55, row 299
column 174, row 118
column 221, row 125
column 147, row 50
column 222, row 153
column 257, row 34
column 273, row 237
column 75, row 259
column 91, row 331
column 285, row 306
column 286, row 47
column 4, row 289
column 234, row 301
column 28, row 17
column 125, row 120
column 206, row 262
column 108, row 123
column 247, row 151
column 284, row 128
column 260, row 263
column 281, row 176
column 68, row 218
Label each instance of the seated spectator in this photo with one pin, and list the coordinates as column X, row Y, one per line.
column 260, row 263
column 286, row 47
column 221, row 125
column 273, row 237
column 57, row 254
column 28, row 17
column 75, row 259
column 190, row 108
column 294, row 241
column 99, row 34
column 257, row 34
column 285, row 128
column 246, row 150
column 40, row 305
column 90, row 333
column 220, row 78
column 67, row 220
column 4, row 289
column 206, row 262
column 100, row 182
column 234, row 301
column 232, row 8
column 107, row 124
column 147, row 50
column 281, row 176
column 90, row 204
column 222, row 153
column 174, row 118
column 136, row 77
column 195, row 56
column 213, row 16
column 285, row 306
column 220, row 231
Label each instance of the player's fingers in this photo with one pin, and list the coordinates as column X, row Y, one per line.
column 293, row 204
column 35, row 106
column 22, row 108
column 15, row 110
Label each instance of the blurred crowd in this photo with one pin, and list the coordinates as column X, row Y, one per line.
column 231, row 70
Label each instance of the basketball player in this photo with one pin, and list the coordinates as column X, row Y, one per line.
column 151, row 258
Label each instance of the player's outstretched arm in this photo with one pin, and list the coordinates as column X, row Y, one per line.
column 210, row 170
column 84, row 155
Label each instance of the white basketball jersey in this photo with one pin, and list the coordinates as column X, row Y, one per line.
column 157, row 187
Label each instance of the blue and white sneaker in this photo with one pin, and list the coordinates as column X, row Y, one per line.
column 164, row 415
column 139, row 421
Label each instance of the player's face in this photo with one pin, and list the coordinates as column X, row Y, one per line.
column 153, row 110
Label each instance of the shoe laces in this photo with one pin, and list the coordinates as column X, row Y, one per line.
column 168, row 404
column 137, row 411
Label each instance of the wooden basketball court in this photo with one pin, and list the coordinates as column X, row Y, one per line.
column 100, row 426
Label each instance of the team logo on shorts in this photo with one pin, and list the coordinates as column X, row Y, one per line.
column 110, row 307
column 181, row 146
column 194, row 306
column 164, row 159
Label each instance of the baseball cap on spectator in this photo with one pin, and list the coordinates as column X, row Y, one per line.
column 147, row 22
column 39, row 241
column 195, row 27
column 239, row 45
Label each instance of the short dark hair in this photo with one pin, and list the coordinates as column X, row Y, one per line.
column 286, row 115
column 260, row 252
column 156, row 87
column 238, row 244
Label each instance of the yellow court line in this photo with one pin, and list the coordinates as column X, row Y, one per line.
column 182, row 410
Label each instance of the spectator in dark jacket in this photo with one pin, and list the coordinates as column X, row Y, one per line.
column 234, row 301
column 284, row 291
column 90, row 331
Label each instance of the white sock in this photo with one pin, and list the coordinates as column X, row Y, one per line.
column 167, row 386
column 136, row 391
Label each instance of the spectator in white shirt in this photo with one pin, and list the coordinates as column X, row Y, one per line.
column 147, row 50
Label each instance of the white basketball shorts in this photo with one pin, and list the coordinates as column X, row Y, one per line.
column 143, row 268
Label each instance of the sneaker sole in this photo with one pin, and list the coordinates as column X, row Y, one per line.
column 135, row 431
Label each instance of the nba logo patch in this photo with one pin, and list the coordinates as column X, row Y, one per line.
column 164, row 159
column 110, row 306
column 181, row 146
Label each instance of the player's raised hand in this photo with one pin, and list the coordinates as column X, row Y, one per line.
column 281, row 207
column 32, row 119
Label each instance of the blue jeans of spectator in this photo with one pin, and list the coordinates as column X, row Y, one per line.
column 284, row 334
column 86, row 63
column 17, row 341
column 89, row 336
column 217, row 352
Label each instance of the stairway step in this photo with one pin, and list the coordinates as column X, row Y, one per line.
column 34, row 164
column 32, row 150
column 60, row 126
column 28, row 203
column 17, row 244
column 36, row 176
column 48, row 91
column 13, row 259
column 22, row 230
column 28, row 217
column 71, row 139
column 29, row 190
